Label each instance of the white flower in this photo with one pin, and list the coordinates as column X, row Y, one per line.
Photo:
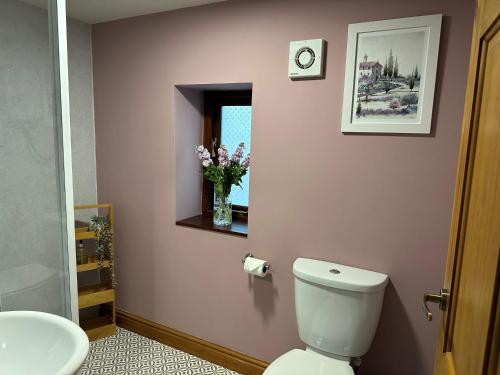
column 205, row 155
column 206, row 162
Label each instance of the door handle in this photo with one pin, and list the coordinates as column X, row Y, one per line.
column 442, row 299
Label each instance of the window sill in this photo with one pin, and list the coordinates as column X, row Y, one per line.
column 239, row 227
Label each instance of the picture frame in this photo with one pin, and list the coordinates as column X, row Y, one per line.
column 390, row 75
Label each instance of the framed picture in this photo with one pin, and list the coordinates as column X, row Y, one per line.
column 390, row 75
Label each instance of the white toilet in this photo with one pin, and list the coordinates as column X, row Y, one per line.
column 338, row 310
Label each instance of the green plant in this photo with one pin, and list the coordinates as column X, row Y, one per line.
column 104, row 234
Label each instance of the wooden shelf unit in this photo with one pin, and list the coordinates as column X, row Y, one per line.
column 84, row 235
column 102, row 295
column 93, row 295
column 99, row 327
column 91, row 265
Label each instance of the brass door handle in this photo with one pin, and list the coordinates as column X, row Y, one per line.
column 442, row 299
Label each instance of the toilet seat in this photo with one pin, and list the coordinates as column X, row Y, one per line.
column 300, row 362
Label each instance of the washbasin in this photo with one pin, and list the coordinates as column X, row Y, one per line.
column 37, row 343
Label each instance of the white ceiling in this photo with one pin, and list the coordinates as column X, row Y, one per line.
column 95, row 11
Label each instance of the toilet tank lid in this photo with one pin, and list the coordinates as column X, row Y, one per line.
column 339, row 276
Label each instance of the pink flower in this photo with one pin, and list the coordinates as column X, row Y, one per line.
column 245, row 163
column 204, row 156
column 203, row 153
column 223, row 156
column 238, row 153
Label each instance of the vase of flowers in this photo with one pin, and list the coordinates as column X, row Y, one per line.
column 227, row 172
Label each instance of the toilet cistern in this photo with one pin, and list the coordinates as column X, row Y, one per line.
column 338, row 310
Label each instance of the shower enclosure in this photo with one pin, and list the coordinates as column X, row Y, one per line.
column 37, row 246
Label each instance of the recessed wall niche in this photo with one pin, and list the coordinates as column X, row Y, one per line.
column 188, row 119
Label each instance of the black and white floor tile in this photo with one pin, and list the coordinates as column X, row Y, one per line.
column 127, row 353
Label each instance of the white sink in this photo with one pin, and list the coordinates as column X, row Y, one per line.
column 36, row 343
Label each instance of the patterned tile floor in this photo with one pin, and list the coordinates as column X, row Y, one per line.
column 127, row 353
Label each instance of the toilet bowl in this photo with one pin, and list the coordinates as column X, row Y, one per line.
column 338, row 309
column 302, row 362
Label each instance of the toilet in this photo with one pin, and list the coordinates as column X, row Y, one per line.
column 338, row 310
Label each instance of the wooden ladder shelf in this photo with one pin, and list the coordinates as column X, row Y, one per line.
column 101, row 294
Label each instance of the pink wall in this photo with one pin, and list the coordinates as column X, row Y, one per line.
column 381, row 202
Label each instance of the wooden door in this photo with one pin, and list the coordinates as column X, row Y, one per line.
column 469, row 335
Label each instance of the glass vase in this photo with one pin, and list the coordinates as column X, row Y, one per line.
column 223, row 210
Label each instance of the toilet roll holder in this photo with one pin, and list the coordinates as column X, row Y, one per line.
column 266, row 268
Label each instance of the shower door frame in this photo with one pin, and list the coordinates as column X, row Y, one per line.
column 58, row 37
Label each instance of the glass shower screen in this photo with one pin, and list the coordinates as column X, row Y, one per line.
column 36, row 226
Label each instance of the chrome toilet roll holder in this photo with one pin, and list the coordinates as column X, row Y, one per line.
column 266, row 268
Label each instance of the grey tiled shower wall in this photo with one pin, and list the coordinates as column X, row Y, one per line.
column 30, row 223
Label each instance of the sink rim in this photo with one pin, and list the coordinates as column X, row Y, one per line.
column 76, row 359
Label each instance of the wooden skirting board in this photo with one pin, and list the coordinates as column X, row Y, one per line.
column 214, row 353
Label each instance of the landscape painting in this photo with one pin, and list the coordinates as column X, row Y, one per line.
column 390, row 75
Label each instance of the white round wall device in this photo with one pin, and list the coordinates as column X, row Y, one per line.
column 306, row 59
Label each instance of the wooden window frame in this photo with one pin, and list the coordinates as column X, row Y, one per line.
column 213, row 102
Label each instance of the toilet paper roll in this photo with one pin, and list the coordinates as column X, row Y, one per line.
column 256, row 267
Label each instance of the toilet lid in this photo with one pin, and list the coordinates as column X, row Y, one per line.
column 300, row 362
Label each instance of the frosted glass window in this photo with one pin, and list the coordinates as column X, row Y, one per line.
column 236, row 124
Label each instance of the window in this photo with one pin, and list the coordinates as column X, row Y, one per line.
column 236, row 124
column 228, row 121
